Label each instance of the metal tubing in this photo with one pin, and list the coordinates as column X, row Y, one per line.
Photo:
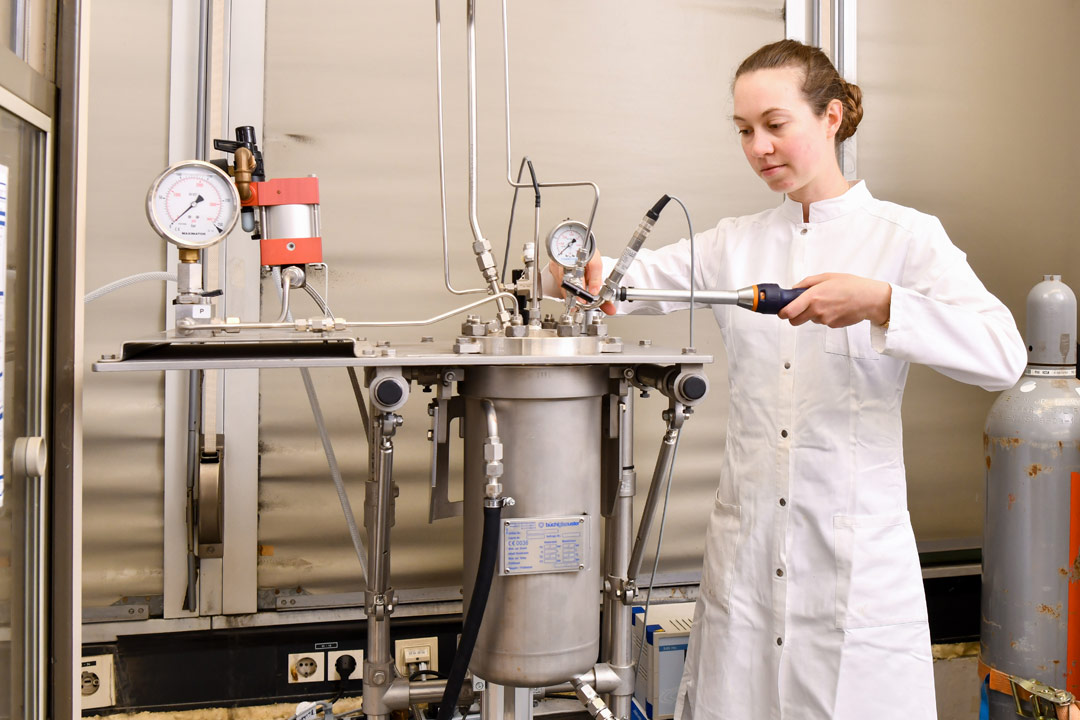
column 195, row 377
column 222, row 327
column 285, row 287
column 661, row 471
column 509, row 176
column 619, row 537
column 201, row 96
column 537, row 288
column 838, row 37
column 194, row 420
column 497, row 297
column 379, row 554
column 620, row 650
column 703, row 297
column 592, row 702
column 442, row 155
column 481, row 247
column 378, row 660
column 815, row 23
column 202, row 80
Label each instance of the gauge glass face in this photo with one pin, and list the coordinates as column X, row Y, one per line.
column 566, row 239
column 193, row 204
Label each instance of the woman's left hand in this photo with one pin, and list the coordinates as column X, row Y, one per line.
column 839, row 300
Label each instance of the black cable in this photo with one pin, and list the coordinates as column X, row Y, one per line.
column 433, row 673
column 513, row 205
column 485, row 573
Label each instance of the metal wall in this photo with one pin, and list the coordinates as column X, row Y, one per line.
column 123, row 415
column 632, row 94
column 966, row 107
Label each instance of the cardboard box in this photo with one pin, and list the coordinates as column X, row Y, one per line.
column 666, row 638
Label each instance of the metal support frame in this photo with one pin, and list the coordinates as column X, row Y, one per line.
column 802, row 22
column 227, row 585
column 844, row 54
column 379, row 599
column 67, row 363
column 620, row 481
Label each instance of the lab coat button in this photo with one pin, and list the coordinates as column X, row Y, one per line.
column 804, row 231
column 783, row 433
column 779, row 572
column 783, row 502
column 779, row 641
column 787, row 366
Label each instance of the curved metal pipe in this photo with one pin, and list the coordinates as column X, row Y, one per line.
column 509, row 172
column 285, row 287
column 230, row 327
column 481, row 247
column 491, row 418
column 442, row 155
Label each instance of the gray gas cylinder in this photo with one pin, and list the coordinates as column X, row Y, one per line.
column 1032, row 447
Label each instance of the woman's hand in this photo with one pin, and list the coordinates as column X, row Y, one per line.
column 594, row 279
column 839, row 300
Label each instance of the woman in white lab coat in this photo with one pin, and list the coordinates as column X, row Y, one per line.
column 812, row 603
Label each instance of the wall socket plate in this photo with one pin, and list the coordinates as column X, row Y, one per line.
column 98, row 685
column 413, row 650
column 331, row 664
column 306, row 667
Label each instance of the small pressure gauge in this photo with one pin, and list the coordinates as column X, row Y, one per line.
column 193, row 204
column 566, row 239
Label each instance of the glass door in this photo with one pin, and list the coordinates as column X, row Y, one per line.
column 24, row 503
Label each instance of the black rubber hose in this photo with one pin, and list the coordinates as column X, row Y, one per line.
column 485, row 573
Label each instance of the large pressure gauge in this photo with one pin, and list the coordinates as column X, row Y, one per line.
column 566, row 239
column 193, row 204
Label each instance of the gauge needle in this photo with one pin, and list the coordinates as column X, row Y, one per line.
column 198, row 199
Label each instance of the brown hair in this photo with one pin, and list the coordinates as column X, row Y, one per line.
column 821, row 82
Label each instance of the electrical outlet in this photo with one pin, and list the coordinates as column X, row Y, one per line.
column 331, row 664
column 305, row 667
column 416, row 654
column 98, row 688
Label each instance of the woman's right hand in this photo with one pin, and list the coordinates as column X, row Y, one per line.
column 594, row 279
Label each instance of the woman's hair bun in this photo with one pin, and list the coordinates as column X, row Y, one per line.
column 853, row 111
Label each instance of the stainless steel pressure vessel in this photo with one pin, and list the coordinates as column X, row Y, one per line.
column 1030, row 566
column 542, row 623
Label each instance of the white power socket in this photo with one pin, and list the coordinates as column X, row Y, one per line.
column 416, row 654
column 331, row 664
column 98, row 687
column 306, row 667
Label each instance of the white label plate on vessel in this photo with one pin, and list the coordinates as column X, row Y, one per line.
column 544, row 545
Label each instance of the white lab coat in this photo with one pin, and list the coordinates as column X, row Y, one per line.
column 812, row 603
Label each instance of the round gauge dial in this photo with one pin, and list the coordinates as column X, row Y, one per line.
column 193, row 204
column 566, row 239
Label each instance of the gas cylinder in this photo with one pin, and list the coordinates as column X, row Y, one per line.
column 1031, row 537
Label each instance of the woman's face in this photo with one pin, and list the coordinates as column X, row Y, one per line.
column 785, row 143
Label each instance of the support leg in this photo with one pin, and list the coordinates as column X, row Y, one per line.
column 379, row 597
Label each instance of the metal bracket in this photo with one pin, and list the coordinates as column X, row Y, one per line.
column 443, row 411
column 1039, row 693
column 210, row 524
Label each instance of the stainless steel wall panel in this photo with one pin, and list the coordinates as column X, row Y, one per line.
column 634, row 95
column 966, row 107
column 123, row 451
